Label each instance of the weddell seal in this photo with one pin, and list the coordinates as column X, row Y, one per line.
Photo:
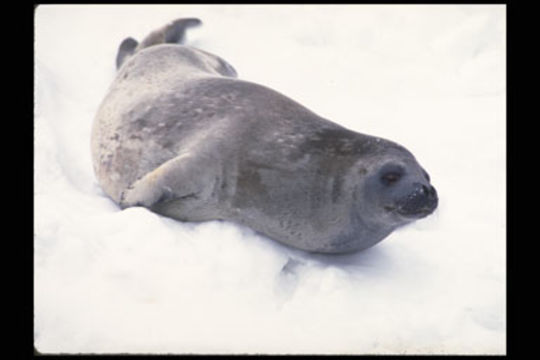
column 179, row 134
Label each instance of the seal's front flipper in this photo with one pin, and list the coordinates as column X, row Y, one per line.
column 172, row 33
column 182, row 181
column 126, row 49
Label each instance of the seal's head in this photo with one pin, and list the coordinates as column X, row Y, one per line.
column 398, row 189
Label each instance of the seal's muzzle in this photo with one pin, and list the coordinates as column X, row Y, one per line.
column 422, row 201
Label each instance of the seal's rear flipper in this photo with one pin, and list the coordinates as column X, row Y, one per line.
column 126, row 49
column 175, row 32
column 172, row 33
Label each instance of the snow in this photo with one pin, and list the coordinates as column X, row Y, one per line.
column 431, row 77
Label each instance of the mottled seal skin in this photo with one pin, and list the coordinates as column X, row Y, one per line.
column 178, row 133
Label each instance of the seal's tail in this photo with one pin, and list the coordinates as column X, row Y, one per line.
column 172, row 33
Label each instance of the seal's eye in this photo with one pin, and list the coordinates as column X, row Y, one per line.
column 390, row 178
column 391, row 174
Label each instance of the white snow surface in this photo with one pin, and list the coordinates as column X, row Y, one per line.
column 430, row 77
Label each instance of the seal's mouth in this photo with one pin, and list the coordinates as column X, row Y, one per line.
column 418, row 204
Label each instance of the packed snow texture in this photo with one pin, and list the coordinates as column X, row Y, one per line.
column 431, row 78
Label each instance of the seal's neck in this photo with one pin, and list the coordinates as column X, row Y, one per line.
column 360, row 235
